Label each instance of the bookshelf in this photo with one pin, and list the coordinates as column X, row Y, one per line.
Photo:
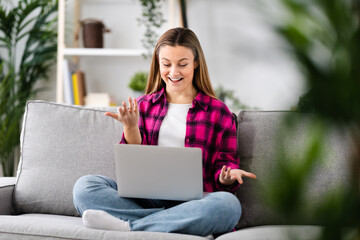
column 103, row 52
column 76, row 52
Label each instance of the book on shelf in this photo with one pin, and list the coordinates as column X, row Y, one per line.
column 99, row 100
column 79, row 88
column 67, row 81
column 75, row 92
column 75, row 89
column 82, row 86
column 74, row 84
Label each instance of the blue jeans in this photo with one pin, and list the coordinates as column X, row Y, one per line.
column 216, row 213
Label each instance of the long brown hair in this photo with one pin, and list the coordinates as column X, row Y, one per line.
column 186, row 38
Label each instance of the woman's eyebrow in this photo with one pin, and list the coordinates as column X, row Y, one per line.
column 179, row 60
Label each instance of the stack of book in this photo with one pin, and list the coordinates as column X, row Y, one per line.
column 75, row 89
column 74, row 84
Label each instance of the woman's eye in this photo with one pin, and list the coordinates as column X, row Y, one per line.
column 166, row 65
column 182, row 65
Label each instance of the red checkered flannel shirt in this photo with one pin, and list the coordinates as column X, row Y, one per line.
column 209, row 126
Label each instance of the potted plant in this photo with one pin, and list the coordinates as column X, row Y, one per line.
column 152, row 18
column 138, row 83
column 228, row 97
column 28, row 44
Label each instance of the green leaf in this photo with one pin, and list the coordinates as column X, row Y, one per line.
column 36, row 59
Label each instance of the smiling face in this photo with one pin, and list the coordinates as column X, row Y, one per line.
column 177, row 71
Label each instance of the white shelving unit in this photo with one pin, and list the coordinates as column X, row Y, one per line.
column 103, row 52
column 64, row 51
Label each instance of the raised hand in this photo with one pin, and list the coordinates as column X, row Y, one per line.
column 128, row 116
column 228, row 176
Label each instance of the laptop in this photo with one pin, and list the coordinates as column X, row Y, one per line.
column 157, row 172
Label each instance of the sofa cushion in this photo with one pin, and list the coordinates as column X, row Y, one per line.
column 275, row 233
column 59, row 144
column 51, row 227
column 260, row 135
column 7, row 185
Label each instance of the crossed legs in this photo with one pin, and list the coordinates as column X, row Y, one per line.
column 216, row 213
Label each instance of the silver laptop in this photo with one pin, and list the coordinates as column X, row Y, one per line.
column 168, row 173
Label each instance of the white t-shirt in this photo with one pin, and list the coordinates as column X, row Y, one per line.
column 173, row 127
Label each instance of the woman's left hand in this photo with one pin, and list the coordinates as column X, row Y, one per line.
column 228, row 176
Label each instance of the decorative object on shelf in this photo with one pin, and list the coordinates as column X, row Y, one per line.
column 93, row 33
column 99, row 100
column 152, row 18
column 22, row 68
column 138, row 82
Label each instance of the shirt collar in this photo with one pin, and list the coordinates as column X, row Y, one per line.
column 156, row 97
column 201, row 99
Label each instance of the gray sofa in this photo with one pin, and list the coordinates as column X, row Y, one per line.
column 61, row 143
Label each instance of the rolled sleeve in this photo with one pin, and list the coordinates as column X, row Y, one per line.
column 228, row 156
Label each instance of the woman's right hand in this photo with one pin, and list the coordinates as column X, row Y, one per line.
column 128, row 116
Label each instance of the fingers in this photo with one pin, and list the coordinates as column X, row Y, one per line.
column 111, row 114
column 225, row 173
column 239, row 179
column 121, row 111
column 228, row 171
column 244, row 174
column 131, row 107
column 249, row 175
column 135, row 105
column 126, row 114
column 124, row 109
column 222, row 173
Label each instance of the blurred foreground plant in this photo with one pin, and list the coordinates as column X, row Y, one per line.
column 33, row 24
column 324, row 39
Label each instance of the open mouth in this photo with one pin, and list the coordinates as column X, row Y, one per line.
column 175, row 79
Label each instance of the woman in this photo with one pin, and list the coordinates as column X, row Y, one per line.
column 179, row 109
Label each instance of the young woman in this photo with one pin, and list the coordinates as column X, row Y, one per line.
column 179, row 109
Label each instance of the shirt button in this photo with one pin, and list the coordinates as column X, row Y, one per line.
column 187, row 140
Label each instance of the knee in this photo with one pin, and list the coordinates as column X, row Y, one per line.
column 85, row 185
column 81, row 186
column 229, row 200
column 227, row 205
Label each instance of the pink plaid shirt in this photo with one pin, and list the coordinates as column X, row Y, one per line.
column 209, row 126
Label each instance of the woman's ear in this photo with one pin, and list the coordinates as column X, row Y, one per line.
column 196, row 64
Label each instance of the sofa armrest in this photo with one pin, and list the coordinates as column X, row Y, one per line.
column 7, row 185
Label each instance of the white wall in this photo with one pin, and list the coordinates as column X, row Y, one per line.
column 243, row 53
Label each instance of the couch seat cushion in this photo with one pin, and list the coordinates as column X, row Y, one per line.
column 46, row 226
column 275, row 233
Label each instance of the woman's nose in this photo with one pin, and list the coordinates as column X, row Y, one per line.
column 174, row 71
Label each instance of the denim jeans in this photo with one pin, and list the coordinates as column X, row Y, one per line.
column 216, row 213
